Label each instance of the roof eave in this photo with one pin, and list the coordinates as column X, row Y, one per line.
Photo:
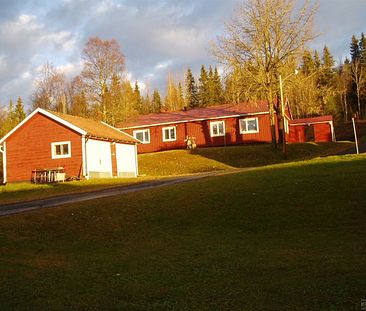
column 195, row 120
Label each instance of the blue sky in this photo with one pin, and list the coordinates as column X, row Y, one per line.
column 156, row 37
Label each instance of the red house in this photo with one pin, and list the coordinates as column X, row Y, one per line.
column 83, row 148
column 220, row 125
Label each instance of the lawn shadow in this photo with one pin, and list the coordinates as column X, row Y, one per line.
column 261, row 154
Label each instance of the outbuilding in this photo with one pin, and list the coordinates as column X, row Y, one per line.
column 318, row 129
column 83, row 148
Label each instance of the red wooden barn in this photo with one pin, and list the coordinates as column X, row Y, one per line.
column 319, row 129
column 220, row 125
column 83, row 148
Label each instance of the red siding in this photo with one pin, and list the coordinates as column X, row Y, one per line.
column 297, row 134
column 29, row 148
column 201, row 131
column 322, row 132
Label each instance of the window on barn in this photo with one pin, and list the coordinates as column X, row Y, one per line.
column 142, row 135
column 217, row 128
column 169, row 133
column 61, row 150
column 249, row 125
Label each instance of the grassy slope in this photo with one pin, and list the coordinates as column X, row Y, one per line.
column 175, row 162
column 218, row 158
column 290, row 237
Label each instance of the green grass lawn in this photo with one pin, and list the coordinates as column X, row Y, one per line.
column 218, row 158
column 286, row 237
column 26, row 191
column 176, row 162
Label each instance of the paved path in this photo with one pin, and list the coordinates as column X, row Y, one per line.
column 15, row 208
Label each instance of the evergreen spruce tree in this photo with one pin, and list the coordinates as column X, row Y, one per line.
column 355, row 49
column 191, row 100
column 10, row 120
column 317, row 62
column 19, row 114
column 308, row 64
column 327, row 83
column 218, row 89
column 211, row 100
column 203, row 88
column 137, row 99
column 156, row 102
column 328, row 65
column 362, row 49
column 180, row 97
column 147, row 104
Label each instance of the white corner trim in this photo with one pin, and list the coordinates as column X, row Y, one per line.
column 62, row 121
column 136, row 163
column 112, row 127
column 48, row 114
column 120, row 131
column 332, row 131
column 83, row 156
column 3, row 151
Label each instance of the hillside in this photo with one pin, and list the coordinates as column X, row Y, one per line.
column 286, row 237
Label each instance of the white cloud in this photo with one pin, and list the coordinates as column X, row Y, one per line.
column 25, row 75
column 156, row 36
column 106, row 6
column 163, row 65
column 26, row 43
column 70, row 69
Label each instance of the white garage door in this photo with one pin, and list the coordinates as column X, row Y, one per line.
column 126, row 160
column 99, row 158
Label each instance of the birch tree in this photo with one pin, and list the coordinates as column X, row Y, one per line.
column 358, row 77
column 260, row 39
column 103, row 60
column 50, row 90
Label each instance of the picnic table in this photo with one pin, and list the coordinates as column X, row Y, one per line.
column 48, row 175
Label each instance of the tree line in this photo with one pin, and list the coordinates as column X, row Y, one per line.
column 264, row 40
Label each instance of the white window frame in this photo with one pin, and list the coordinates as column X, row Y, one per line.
column 212, row 124
column 143, row 135
column 169, row 138
column 60, row 156
column 246, row 131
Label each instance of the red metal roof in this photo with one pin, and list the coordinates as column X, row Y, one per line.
column 211, row 112
column 320, row 119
